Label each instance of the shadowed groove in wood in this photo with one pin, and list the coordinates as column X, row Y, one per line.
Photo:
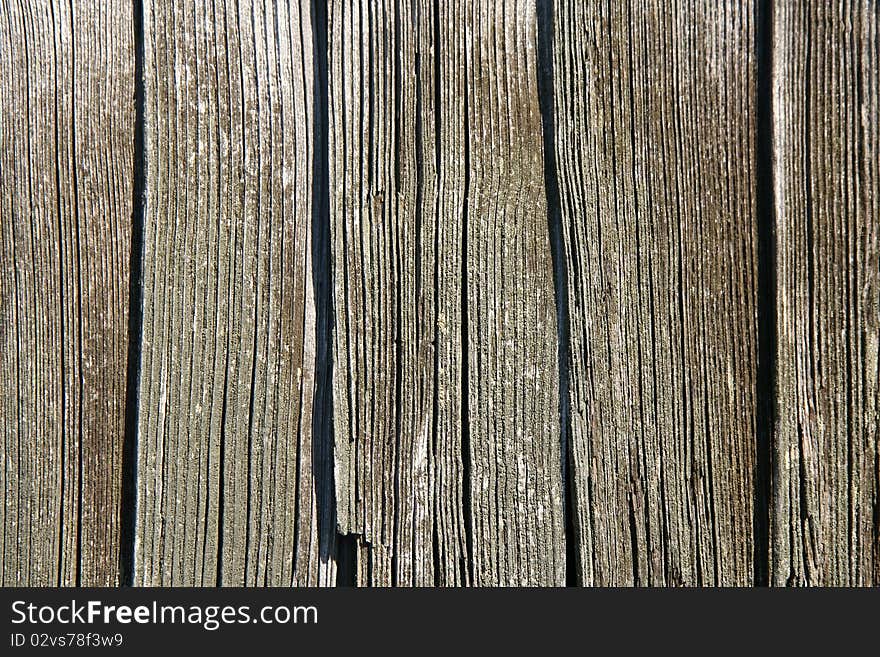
column 65, row 191
column 128, row 497
column 546, row 94
column 766, row 294
column 322, row 414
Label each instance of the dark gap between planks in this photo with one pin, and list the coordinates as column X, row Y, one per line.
column 766, row 293
column 128, row 500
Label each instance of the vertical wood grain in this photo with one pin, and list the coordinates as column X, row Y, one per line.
column 704, row 178
column 232, row 476
column 655, row 155
column 66, row 134
column 390, row 399
column 446, row 421
column 826, row 132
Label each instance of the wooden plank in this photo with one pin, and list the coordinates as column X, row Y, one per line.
column 510, row 329
column 383, row 199
column 66, row 126
column 654, row 140
column 826, row 132
column 445, row 384
column 234, row 480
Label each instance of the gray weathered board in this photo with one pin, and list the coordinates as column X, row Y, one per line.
column 439, row 293
column 825, row 510
column 655, row 145
column 67, row 119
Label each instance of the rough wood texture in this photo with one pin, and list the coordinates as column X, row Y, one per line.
column 654, row 139
column 474, row 292
column 231, row 482
column 66, row 111
column 447, row 438
column 826, row 120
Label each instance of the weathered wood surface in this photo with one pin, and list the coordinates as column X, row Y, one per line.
column 66, row 113
column 826, row 133
column 445, row 385
column 231, row 477
column 655, row 158
column 439, row 293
